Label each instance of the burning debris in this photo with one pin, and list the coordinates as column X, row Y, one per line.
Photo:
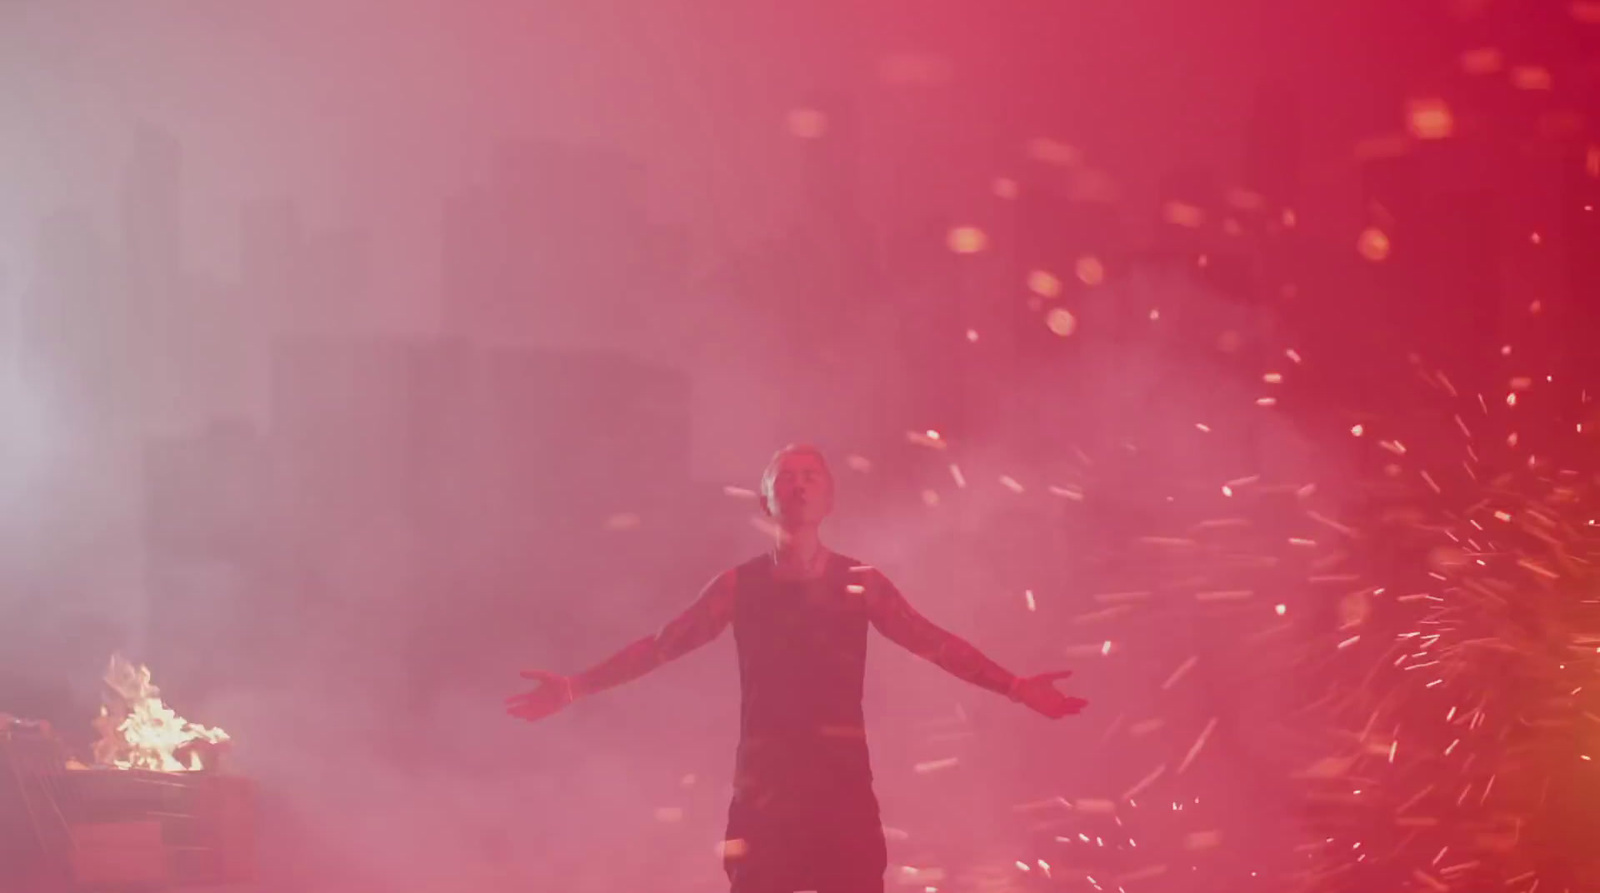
column 138, row 731
column 142, row 816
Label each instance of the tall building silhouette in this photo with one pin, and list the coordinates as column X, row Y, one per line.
column 152, row 288
column 557, row 238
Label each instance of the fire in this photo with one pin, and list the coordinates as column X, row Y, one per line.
column 138, row 731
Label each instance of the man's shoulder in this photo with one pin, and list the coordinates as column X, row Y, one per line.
column 761, row 565
column 853, row 565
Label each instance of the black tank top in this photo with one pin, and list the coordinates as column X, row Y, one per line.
column 802, row 649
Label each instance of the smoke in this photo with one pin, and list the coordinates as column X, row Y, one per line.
column 358, row 654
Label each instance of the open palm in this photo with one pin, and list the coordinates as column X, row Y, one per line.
column 1040, row 694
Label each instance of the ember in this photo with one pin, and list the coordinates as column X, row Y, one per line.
column 138, row 731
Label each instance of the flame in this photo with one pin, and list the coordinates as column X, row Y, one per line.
column 138, row 731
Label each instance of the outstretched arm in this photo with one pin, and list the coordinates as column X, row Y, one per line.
column 901, row 624
column 897, row 620
column 700, row 623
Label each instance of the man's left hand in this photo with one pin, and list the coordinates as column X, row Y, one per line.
column 1041, row 695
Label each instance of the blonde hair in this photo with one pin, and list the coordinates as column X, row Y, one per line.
column 770, row 475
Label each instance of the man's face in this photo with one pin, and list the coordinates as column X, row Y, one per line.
column 801, row 492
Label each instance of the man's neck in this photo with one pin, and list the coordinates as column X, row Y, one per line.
column 799, row 551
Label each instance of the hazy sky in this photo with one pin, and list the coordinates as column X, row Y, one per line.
column 377, row 109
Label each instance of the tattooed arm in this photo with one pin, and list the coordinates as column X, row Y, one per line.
column 700, row 623
column 901, row 624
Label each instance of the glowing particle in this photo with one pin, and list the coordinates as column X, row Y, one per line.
column 1432, row 882
column 1028, row 595
column 927, row 766
column 1266, row 401
column 733, row 849
column 1511, row 399
column 1281, row 609
column 1530, row 77
column 1272, row 378
column 1155, row 314
column 669, row 814
column 972, row 336
column 1293, row 355
column 1224, row 595
column 1535, row 238
column 1373, row 244
column 1005, row 187
column 967, row 240
column 1061, row 321
column 1090, row 270
column 1105, row 649
column 808, row 124
column 1044, row 283
column 1182, row 670
column 739, row 492
column 1199, row 743
column 1484, row 60
column 1052, row 151
column 914, row 69
column 1429, row 119
column 1183, row 214
column 1289, row 218
column 930, row 498
column 1348, row 642
column 858, row 463
column 1585, row 11
column 1203, row 427
column 957, row 476
column 1357, row 430
column 1010, row 483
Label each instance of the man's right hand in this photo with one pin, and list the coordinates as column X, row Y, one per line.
column 553, row 692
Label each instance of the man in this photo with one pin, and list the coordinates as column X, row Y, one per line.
column 804, row 816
